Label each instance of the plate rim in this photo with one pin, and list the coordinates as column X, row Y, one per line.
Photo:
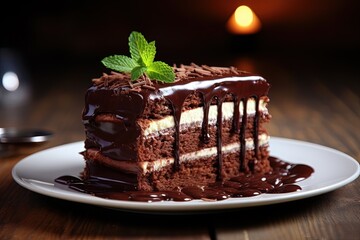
column 183, row 207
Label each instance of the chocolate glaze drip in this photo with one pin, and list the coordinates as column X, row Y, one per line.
column 282, row 179
column 256, row 133
column 235, row 123
column 118, row 139
column 219, row 138
column 205, row 137
column 242, row 137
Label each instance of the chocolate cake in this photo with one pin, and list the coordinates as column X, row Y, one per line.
column 206, row 127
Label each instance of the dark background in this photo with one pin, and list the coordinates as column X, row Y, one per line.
column 53, row 42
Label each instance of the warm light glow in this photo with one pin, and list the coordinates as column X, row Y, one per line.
column 243, row 21
column 244, row 16
column 10, row 81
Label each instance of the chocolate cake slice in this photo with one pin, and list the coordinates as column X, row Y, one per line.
column 207, row 126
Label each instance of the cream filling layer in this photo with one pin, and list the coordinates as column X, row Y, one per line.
column 204, row 153
column 195, row 116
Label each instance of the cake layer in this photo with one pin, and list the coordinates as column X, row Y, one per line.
column 158, row 135
column 162, row 145
column 150, row 166
column 201, row 172
column 196, row 116
column 159, row 145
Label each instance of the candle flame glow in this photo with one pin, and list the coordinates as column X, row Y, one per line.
column 243, row 21
column 244, row 16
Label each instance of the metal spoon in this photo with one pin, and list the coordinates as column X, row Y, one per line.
column 15, row 135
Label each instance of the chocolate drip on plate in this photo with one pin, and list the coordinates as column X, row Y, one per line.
column 282, row 179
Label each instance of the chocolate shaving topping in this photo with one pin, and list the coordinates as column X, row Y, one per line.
column 123, row 80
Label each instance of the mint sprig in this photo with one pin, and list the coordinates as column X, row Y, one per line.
column 141, row 61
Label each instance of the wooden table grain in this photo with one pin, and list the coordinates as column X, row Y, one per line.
column 314, row 102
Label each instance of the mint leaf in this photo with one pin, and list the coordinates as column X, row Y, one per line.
column 137, row 72
column 119, row 63
column 141, row 61
column 148, row 54
column 160, row 71
column 137, row 45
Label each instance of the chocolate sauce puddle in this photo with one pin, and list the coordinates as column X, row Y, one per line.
column 282, row 179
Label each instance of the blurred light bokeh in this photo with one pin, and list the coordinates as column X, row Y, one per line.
column 15, row 86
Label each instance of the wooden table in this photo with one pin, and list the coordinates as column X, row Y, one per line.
column 313, row 100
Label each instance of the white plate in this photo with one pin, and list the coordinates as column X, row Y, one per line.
column 333, row 169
